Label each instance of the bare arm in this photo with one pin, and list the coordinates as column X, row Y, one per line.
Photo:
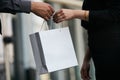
column 86, row 66
column 67, row 14
column 87, row 56
column 109, row 15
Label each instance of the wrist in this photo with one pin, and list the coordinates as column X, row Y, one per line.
column 87, row 59
column 77, row 13
column 81, row 14
column 73, row 14
column 86, row 15
column 32, row 6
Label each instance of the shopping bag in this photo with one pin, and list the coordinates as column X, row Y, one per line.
column 53, row 50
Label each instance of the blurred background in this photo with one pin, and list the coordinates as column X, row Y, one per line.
column 16, row 55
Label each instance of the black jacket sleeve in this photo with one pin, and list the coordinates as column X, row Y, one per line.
column 15, row 6
column 109, row 15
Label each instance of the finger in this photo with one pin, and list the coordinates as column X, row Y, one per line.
column 48, row 15
column 60, row 11
column 44, row 14
column 88, row 75
column 49, row 12
column 58, row 14
column 46, row 18
column 59, row 17
column 51, row 9
column 55, row 21
column 88, row 71
column 61, row 20
column 82, row 76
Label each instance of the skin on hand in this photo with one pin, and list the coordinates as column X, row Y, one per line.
column 67, row 14
column 86, row 66
column 63, row 14
column 85, row 71
column 41, row 9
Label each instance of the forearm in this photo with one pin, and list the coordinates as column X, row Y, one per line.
column 14, row 6
column 87, row 56
column 67, row 14
column 81, row 14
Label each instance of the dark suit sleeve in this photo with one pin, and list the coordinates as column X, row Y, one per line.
column 110, row 15
column 15, row 6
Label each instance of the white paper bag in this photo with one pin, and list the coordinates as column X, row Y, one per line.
column 53, row 50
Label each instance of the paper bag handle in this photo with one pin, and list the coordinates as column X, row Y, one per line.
column 43, row 25
column 50, row 24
